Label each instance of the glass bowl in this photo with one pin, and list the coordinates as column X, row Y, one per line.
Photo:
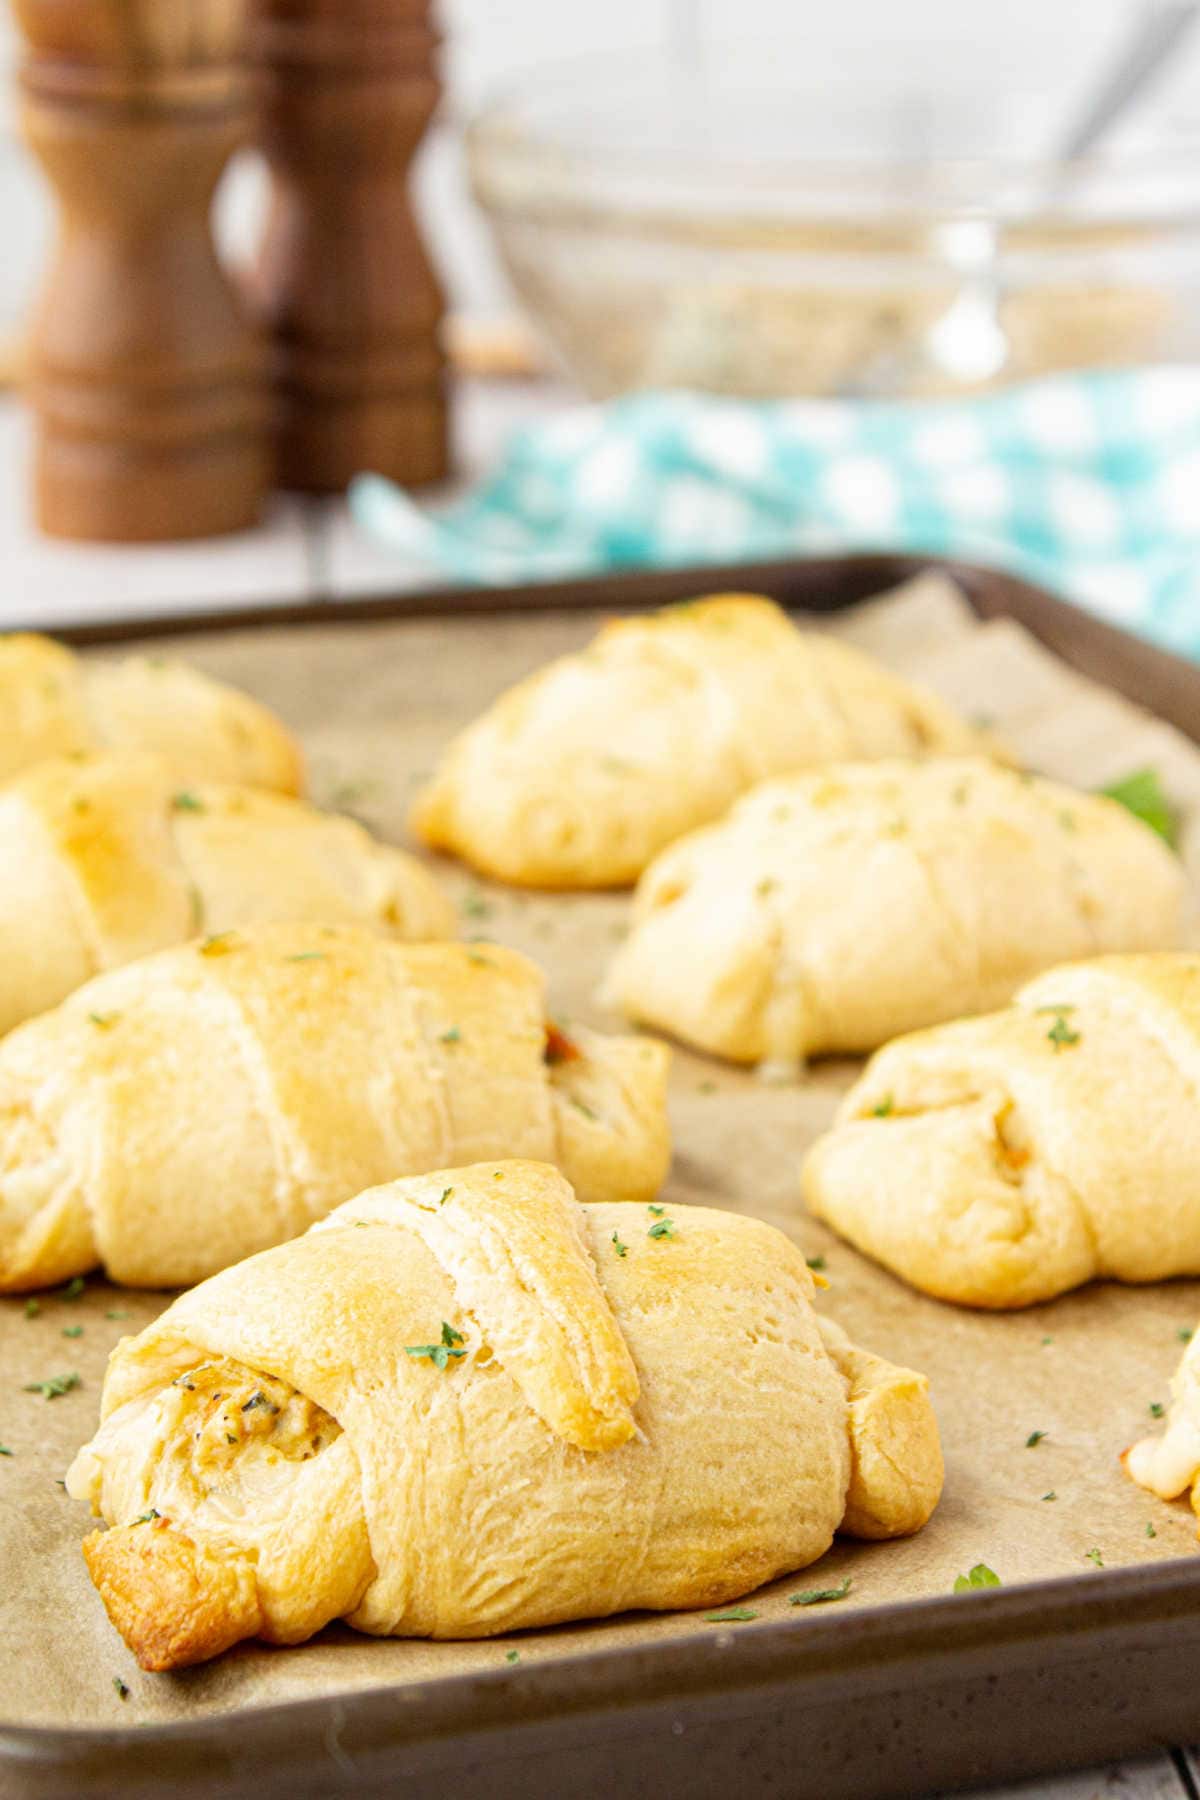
column 668, row 229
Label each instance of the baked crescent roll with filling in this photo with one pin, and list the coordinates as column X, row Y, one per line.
column 831, row 911
column 1168, row 1463
column 466, row 1404
column 1001, row 1161
column 105, row 859
column 581, row 774
column 182, row 1112
column 54, row 704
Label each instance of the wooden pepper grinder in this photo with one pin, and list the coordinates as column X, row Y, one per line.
column 148, row 381
column 342, row 280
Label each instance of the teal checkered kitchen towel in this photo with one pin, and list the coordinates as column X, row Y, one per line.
column 1089, row 484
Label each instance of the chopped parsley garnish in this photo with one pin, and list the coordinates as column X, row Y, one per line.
column 185, row 802
column 1060, row 1033
column 439, row 1354
column 816, row 1263
column 1184, row 1334
column 979, row 1577
column 32, row 1307
column 662, row 1228
column 818, row 1596
column 1035, row 1437
column 732, row 1615
column 308, row 956
column 103, row 1021
column 257, row 1399
column 885, row 1108
column 582, row 1107
column 122, row 1688
column 73, row 1289
column 1142, row 794
column 1157, row 1409
column 1095, row 1556
column 72, row 1331
column 512, row 1656
column 707, row 1087
column 658, row 1211
column 475, row 906
column 54, row 1387
column 4, row 1450
column 116, row 1312
column 1150, row 1531
column 620, row 1248
column 148, row 1516
column 453, row 1036
column 446, row 1193
column 1047, row 1340
column 1050, row 1496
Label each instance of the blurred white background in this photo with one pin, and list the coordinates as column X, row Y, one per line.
column 1043, row 50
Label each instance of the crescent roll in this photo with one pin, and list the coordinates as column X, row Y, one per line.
column 1001, row 1161
column 830, row 911
column 578, row 776
column 1168, row 1463
column 465, row 1404
column 187, row 1110
column 54, row 704
column 106, row 859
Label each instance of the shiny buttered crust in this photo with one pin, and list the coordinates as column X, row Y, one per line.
column 54, row 704
column 577, row 777
column 105, row 859
column 831, row 911
column 187, row 1110
column 1001, row 1161
column 466, row 1404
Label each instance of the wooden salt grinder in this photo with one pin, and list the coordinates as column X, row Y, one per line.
column 343, row 281
column 147, row 380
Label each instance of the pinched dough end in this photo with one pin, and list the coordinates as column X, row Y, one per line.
column 896, row 1471
column 174, row 1601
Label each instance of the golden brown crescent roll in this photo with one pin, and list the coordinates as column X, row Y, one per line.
column 830, row 911
column 1169, row 1463
column 1000, row 1161
column 53, row 704
column 184, row 1111
column 466, row 1404
column 579, row 775
column 105, row 859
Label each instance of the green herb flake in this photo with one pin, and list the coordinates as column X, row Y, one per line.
column 1150, row 1530
column 440, row 1355
column 885, row 1108
column 707, row 1087
column 1034, row 1438
column 73, row 1289
column 1184, row 1334
column 662, row 1228
column 816, row 1263
column 1157, row 1409
column 256, row 1400
column 621, row 1249
column 658, row 1211
column 4, row 1450
column 54, row 1387
column 732, row 1615
column 32, row 1307
column 1095, row 1557
column 72, row 1331
column 1142, row 794
column 1050, row 1496
column 1060, row 1033
column 512, row 1656
column 116, row 1312
column 186, row 802
column 818, row 1596
column 121, row 1687
column 453, row 1036
column 445, row 1195
column 476, row 906
column 308, row 956
column 1047, row 1340
column 147, row 1517
column 979, row 1577
column 581, row 1106
column 103, row 1021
